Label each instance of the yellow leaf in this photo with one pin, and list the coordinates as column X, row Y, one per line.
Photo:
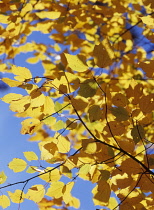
column 20, row 104
column 3, row 177
column 75, row 203
column 67, row 197
column 48, row 106
column 17, row 165
column 11, row 83
column 37, row 98
column 4, row 19
column 56, row 190
column 35, row 193
column 32, row 60
column 52, row 176
column 16, row 196
column 29, row 126
column 89, row 146
column 63, row 144
column 30, row 156
column 75, row 63
column 149, row 21
column 48, row 14
column 22, row 73
column 11, row 97
column 84, row 169
column 4, row 201
column 112, row 203
column 65, row 171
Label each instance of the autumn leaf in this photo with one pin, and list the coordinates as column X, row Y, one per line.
column 30, row 155
column 120, row 113
column 75, row 63
column 17, row 165
column 35, row 193
column 3, row 177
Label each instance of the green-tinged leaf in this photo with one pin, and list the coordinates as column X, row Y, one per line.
column 30, row 156
column 58, row 107
column 88, row 88
column 84, row 169
column 59, row 125
column 17, row 165
column 3, row 177
column 120, row 113
column 138, row 133
column 31, row 170
column 75, row 63
column 49, row 121
column 94, row 113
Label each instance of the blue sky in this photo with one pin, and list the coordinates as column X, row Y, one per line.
column 13, row 144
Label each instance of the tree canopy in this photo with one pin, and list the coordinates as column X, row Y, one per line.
column 91, row 110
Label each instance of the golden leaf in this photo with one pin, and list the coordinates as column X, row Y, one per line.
column 17, row 165
column 30, row 156
column 3, row 177
column 75, row 63
column 35, row 193
column 4, row 201
column 63, row 144
column 22, row 73
column 16, row 196
column 56, row 190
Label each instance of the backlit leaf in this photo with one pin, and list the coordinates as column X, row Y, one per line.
column 16, row 196
column 101, row 56
column 35, row 193
column 88, row 88
column 138, row 133
column 52, row 176
column 11, row 83
column 4, row 201
column 120, row 113
column 63, row 144
column 3, row 177
column 94, row 113
column 55, row 190
column 22, row 72
column 75, row 63
column 17, row 165
column 30, row 156
column 11, row 97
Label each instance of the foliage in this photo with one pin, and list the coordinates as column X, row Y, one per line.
column 95, row 95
